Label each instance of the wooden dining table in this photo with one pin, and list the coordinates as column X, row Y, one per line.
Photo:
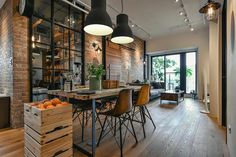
column 85, row 94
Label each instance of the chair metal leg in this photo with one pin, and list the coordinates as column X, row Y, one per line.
column 87, row 117
column 142, row 121
column 143, row 113
column 150, row 117
column 100, row 137
column 83, row 127
column 115, row 127
column 98, row 119
column 74, row 112
column 121, row 143
column 131, row 122
column 133, row 112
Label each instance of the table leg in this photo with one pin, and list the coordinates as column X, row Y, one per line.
column 93, row 127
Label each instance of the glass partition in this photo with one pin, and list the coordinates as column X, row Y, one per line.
column 56, row 44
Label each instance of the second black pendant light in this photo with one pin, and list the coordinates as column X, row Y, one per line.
column 122, row 34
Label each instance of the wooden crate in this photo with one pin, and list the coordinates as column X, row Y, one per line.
column 28, row 153
column 43, row 121
column 68, row 153
column 54, row 148
column 110, row 84
column 49, row 136
column 48, row 133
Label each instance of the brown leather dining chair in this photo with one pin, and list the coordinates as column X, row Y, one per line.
column 141, row 103
column 120, row 112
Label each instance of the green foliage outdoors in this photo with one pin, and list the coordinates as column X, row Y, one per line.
column 158, row 68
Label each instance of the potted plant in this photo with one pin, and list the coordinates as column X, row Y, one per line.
column 95, row 73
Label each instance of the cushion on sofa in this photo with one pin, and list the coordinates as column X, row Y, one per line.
column 158, row 85
column 156, row 91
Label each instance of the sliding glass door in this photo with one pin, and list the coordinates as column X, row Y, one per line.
column 177, row 71
column 190, row 72
column 172, row 69
column 158, row 69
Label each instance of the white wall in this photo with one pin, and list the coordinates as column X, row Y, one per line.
column 215, row 68
column 197, row 39
column 231, row 78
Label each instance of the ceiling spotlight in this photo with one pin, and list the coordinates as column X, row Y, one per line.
column 132, row 25
column 191, row 29
column 181, row 13
column 176, row 1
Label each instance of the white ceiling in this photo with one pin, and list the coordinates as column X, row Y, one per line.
column 158, row 17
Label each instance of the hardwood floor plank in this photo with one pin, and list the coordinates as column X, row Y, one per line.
column 182, row 131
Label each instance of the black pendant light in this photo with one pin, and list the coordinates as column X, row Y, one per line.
column 210, row 9
column 98, row 22
column 122, row 33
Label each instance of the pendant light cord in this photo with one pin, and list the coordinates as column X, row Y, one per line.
column 122, row 6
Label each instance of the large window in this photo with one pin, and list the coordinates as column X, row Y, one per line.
column 56, row 43
column 177, row 71
column 158, row 69
column 172, row 66
column 190, row 72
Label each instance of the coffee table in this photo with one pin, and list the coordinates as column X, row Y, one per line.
column 172, row 96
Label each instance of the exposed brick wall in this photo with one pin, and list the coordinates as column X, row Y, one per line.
column 136, row 60
column 21, row 78
column 6, row 35
column 14, row 78
column 91, row 56
column 126, row 64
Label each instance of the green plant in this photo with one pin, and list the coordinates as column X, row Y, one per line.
column 95, row 70
column 189, row 73
column 158, row 64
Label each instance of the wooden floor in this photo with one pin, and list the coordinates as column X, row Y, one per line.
column 182, row 131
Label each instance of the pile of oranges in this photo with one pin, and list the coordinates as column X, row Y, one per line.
column 49, row 104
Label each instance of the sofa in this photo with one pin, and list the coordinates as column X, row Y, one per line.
column 156, row 89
